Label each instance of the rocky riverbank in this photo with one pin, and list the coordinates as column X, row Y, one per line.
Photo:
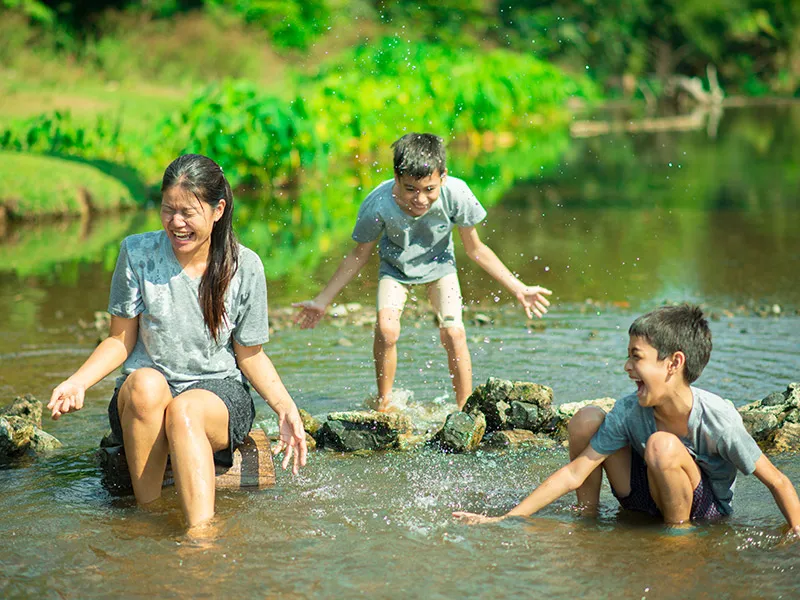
column 509, row 414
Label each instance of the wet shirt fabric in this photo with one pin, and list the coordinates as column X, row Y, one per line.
column 416, row 250
column 149, row 281
column 717, row 439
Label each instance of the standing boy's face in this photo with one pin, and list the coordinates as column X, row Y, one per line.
column 650, row 374
column 415, row 196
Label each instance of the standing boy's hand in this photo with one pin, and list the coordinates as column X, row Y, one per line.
column 532, row 298
column 311, row 314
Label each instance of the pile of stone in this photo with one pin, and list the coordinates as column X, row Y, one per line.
column 511, row 414
column 354, row 431
column 774, row 421
column 21, row 429
column 507, row 413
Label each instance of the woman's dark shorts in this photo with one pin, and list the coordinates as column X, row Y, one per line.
column 704, row 505
column 241, row 413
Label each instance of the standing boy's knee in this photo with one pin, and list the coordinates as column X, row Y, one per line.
column 452, row 335
column 388, row 329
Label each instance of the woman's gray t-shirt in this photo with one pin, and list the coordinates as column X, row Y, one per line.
column 417, row 250
column 173, row 338
column 717, row 439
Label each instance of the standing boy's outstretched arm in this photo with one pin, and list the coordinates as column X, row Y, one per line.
column 782, row 490
column 313, row 310
column 567, row 479
column 532, row 297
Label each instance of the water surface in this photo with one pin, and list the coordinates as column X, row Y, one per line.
column 612, row 231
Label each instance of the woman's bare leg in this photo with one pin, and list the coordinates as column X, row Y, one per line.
column 196, row 426
column 141, row 402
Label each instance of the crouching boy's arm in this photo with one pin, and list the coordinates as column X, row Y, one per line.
column 532, row 297
column 782, row 490
column 567, row 479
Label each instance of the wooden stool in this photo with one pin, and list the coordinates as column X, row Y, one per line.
column 252, row 467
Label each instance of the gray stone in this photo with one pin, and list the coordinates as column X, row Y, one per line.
column 310, row 424
column 461, row 432
column 344, row 436
column 41, row 441
column 774, row 421
column 26, row 407
column 15, row 436
column 760, row 424
column 523, row 415
column 362, row 430
column 563, row 413
column 496, row 399
column 517, row 438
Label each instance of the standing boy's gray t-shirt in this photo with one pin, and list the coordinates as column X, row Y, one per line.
column 417, row 250
column 717, row 439
column 173, row 338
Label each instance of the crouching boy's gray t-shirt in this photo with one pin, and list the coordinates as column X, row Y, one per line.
column 417, row 249
column 173, row 338
column 717, row 439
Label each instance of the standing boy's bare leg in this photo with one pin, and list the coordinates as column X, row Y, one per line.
column 384, row 350
column 672, row 474
column 141, row 402
column 459, row 362
column 582, row 427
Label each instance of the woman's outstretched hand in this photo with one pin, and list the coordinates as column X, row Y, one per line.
column 292, row 440
column 311, row 314
column 532, row 298
column 474, row 518
column 67, row 397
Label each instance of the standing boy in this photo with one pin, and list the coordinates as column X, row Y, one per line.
column 411, row 217
column 670, row 449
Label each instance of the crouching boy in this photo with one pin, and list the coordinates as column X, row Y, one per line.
column 670, row 449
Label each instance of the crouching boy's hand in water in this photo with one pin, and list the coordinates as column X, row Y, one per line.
column 475, row 519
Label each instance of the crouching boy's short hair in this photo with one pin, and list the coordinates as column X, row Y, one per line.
column 670, row 329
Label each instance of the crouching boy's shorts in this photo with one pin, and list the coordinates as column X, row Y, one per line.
column 444, row 295
column 704, row 505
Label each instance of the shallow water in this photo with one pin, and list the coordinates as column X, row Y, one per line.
column 381, row 525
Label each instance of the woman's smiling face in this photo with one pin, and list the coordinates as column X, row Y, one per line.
column 188, row 221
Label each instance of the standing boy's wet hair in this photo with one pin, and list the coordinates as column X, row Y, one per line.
column 670, row 329
column 419, row 155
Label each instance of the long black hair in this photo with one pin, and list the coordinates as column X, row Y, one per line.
column 203, row 178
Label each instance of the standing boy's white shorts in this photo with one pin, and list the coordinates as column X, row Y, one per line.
column 444, row 295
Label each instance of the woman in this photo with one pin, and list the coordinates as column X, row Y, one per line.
column 188, row 309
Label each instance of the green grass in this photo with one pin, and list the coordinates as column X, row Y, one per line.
column 36, row 186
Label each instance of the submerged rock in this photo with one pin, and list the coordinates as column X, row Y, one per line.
column 20, row 431
column 362, row 430
column 461, row 432
column 512, row 404
column 774, row 421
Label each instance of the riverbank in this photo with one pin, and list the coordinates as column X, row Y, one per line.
column 35, row 186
